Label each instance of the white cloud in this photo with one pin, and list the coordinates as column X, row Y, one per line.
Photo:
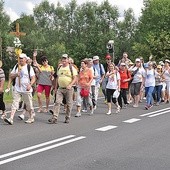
column 26, row 6
column 13, row 15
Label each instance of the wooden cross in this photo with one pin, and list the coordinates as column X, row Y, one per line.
column 17, row 33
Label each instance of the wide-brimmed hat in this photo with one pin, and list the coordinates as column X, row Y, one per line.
column 95, row 58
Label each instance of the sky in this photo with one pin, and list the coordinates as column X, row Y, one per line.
column 14, row 8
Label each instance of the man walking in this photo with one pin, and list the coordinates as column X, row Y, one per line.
column 24, row 79
column 66, row 78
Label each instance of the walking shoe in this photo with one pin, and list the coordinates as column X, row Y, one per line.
column 78, row 114
column 8, row 120
column 84, row 110
column 95, row 107
column 33, row 114
column 21, row 117
column 91, row 112
column 67, row 120
column 118, row 109
column 3, row 116
column 135, row 105
column 30, row 120
column 146, row 107
column 125, row 106
column 52, row 120
column 109, row 112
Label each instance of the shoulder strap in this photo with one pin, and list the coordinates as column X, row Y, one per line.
column 71, row 70
column 28, row 68
column 100, row 66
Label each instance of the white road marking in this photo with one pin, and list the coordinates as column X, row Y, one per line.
column 159, row 113
column 109, row 127
column 147, row 114
column 131, row 120
column 40, row 150
column 35, row 146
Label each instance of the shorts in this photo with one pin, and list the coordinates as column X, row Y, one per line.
column 41, row 88
column 135, row 88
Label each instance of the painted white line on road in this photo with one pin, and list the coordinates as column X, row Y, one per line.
column 35, row 146
column 40, row 150
column 109, row 127
column 159, row 113
column 131, row 120
column 150, row 113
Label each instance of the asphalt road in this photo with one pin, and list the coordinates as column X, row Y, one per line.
column 134, row 139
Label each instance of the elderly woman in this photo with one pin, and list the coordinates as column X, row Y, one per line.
column 45, row 78
column 85, row 79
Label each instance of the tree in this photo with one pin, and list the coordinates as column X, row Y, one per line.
column 153, row 29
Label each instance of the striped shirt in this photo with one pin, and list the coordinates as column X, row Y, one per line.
column 2, row 75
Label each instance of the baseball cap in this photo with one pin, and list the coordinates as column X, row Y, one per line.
column 108, row 57
column 161, row 63
column 159, row 66
column 137, row 60
column 168, row 61
column 95, row 58
column 64, row 56
column 122, row 64
column 23, row 55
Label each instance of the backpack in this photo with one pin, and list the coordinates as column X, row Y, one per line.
column 28, row 68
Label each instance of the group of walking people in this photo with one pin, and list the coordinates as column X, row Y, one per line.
column 122, row 84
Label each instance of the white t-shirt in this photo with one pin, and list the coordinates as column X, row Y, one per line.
column 24, row 79
column 112, row 81
column 150, row 78
column 139, row 75
column 166, row 75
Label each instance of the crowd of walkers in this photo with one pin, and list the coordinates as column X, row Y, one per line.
column 124, row 84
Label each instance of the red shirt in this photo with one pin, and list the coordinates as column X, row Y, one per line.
column 124, row 74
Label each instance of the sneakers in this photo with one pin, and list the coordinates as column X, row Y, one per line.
column 52, row 120
column 135, row 105
column 8, row 120
column 78, row 114
column 3, row 116
column 21, row 117
column 30, row 120
column 91, row 112
column 148, row 107
column 109, row 112
column 118, row 109
column 95, row 107
column 84, row 110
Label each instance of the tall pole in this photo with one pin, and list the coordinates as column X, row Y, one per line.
column 0, row 48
